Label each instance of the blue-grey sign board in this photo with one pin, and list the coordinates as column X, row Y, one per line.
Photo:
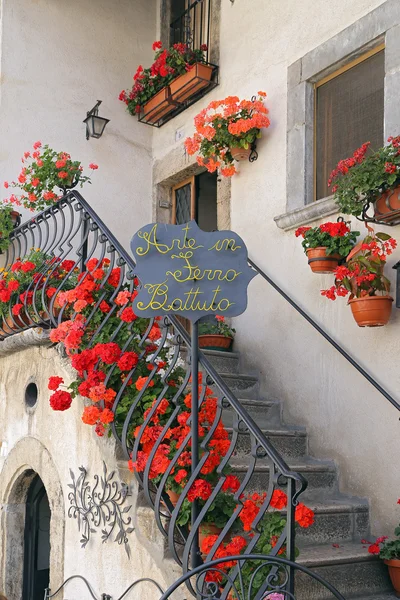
column 189, row 272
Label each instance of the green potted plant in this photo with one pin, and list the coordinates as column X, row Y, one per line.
column 362, row 279
column 9, row 219
column 327, row 244
column 369, row 178
column 43, row 171
column 216, row 334
column 389, row 552
column 226, row 130
column 176, row 74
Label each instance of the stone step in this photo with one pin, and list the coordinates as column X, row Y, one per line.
column 390, row 596
column 243, row 386
column 288, row 442
column 224, row 362
column 321, row 475
column 337, row 521
column 265, row 413
column 349, row 568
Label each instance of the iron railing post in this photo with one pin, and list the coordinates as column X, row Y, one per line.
column 195, row 435
column 290, row 534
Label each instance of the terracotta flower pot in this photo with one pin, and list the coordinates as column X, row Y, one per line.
column 321, row 263
column 239, row 153
column 215, row 342
column 394, row 573
column 387, row 207
column 190, row 83
column 158, row 106
column 173, row 496
column 371, row 311
column 16, row 218
column 20, row 321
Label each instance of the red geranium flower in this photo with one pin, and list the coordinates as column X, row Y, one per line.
column 54, row 383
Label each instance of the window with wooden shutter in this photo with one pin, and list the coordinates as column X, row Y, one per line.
column 349, row 110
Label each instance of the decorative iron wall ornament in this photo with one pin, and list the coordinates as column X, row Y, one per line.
column 190, row 272
column 100, row 505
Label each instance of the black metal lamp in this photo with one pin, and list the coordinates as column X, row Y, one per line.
column 95, row 125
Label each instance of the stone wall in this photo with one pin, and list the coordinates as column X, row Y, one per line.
column 39, row 440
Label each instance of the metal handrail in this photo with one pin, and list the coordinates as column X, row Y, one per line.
column 324, row 334
column 71, row 227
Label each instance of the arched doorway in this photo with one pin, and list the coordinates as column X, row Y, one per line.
column 37, row 542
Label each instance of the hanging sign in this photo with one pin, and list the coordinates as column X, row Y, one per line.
column 189, row 272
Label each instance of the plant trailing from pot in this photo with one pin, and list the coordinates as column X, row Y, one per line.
column 326, row 244
column 389, row 551
column 216, row 334
column 8, row 220
column 226, row 129
column 269, row 530
column 21, row 299
column 369, row 177
column 362, row 279
column 44, row 171
column 170, row 64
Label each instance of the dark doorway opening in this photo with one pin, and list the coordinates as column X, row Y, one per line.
column 37, row 542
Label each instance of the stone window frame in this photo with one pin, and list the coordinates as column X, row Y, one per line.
column 381, row 25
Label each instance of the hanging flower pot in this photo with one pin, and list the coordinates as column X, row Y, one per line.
column 190, row 83
column 371, row 311
column 394, row 573
column 387, row 207
column 326, row 244
column 239, row 153
column 320, row 262
column 215, row 342
column 158, row 106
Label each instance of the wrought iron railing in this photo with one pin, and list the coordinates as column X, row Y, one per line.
column 238, row 469
column 236, row 458
column 193, row 26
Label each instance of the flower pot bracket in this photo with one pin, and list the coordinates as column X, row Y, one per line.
column 157, row 117
column 390, row 218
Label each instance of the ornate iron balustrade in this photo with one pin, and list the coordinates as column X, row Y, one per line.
column 235, row 455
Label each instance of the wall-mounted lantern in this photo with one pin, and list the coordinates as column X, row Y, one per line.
column 95, row 125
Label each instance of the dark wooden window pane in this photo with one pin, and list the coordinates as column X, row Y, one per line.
column 349, row 112
column 183, row 204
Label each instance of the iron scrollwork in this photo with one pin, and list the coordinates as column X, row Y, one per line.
column 99, row 505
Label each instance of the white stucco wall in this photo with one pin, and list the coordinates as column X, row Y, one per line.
column 57, row 59
column 70, row 445
column 346, row 418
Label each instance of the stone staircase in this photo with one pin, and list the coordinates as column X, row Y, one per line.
column 332, row 546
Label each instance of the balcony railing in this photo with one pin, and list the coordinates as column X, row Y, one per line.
column 240, row 480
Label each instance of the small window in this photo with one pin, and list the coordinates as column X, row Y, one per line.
column 190, row 23
column 349, row 110
column 196, row 198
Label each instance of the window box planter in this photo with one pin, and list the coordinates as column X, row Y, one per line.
column 158, row 106
column 189, row 84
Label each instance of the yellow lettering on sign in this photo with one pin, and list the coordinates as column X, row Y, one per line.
column 151, row 240
column 226, row 244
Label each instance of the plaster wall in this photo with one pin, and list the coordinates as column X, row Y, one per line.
column 57, row 59
column 39, row 438
column 346, row 418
